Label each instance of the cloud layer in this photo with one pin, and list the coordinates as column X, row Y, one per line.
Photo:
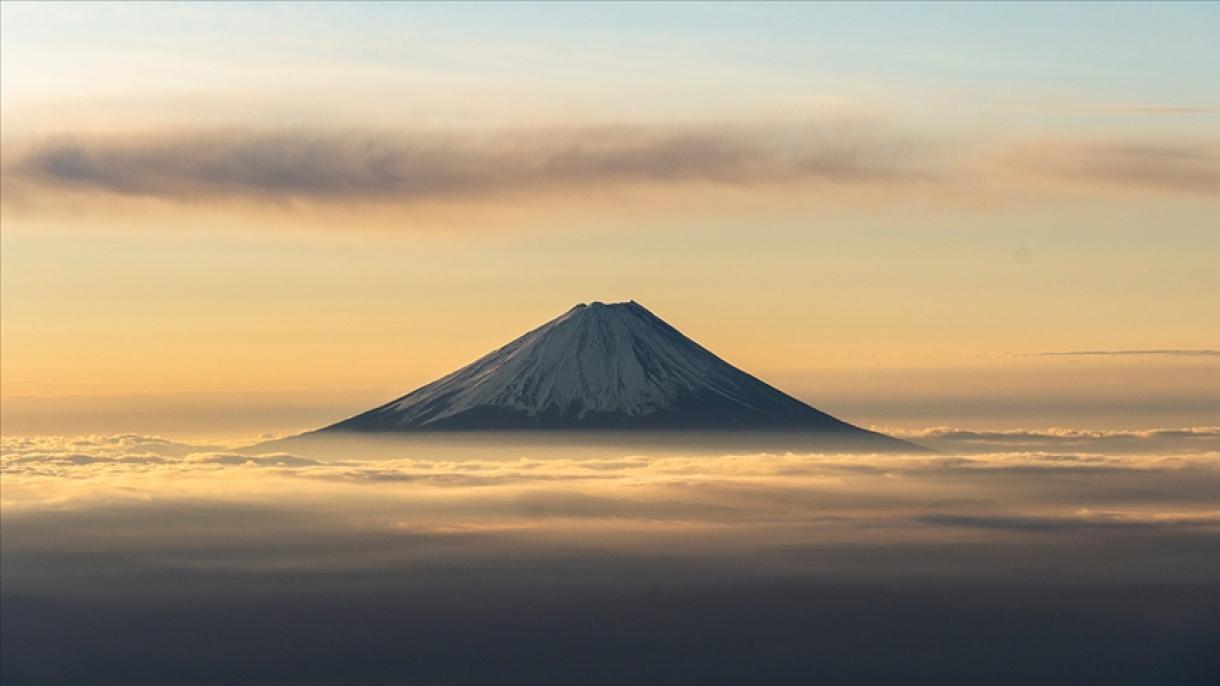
column 437, row 543
column 531, row 483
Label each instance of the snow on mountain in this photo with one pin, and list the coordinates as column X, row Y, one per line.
column 597, row 366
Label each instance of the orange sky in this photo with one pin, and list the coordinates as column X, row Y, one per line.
column 314, row 223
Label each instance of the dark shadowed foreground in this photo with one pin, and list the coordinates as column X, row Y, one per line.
column 136, row 560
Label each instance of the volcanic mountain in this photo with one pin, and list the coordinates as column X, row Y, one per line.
column 599, row 367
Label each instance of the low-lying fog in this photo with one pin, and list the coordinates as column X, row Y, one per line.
column 1006, row 557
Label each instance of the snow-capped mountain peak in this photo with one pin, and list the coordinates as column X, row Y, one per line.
column 597, row 366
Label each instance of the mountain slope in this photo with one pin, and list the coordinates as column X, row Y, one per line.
column 597, row 366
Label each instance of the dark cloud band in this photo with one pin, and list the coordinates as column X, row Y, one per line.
column 405, row 167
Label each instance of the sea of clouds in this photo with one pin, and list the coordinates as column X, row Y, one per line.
column 122, row 555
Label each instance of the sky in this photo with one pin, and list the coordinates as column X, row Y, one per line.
column 234, row 219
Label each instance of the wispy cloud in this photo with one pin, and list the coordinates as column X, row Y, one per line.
column 1182, row 352
column 1152, row 109
column 1187, row 166
column 413, row 166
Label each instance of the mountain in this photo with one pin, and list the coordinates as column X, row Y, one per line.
column 599, row 367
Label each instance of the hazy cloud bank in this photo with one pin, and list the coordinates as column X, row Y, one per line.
column 217, row 518
column 1049, row 450
column 526, row 485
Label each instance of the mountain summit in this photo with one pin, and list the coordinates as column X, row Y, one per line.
column 596, row 367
